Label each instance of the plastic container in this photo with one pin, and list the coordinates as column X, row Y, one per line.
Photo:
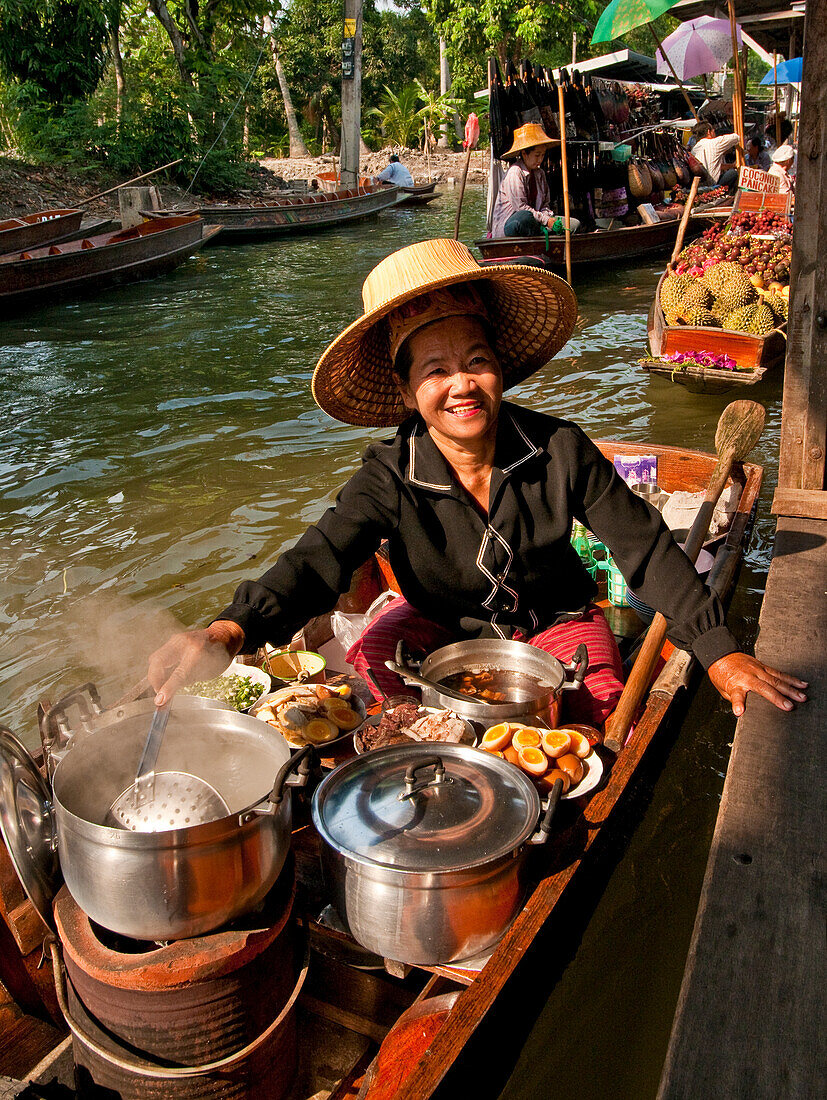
column 621, row 154
column 616, row 583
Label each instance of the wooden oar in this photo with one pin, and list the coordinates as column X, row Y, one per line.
column 687, row 211
column 739, row 429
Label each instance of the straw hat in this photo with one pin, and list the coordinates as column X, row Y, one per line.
column 530, row 136
column 531, row 311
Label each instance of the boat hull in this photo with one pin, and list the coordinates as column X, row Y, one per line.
column 302, row 214
column 34, row 230
column 97, row 262
column 586, row 248
column 755, row 355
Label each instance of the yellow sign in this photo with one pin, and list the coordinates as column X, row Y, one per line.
column 350, row 28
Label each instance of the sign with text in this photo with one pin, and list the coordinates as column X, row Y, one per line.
column 754, row 179
column 350, row 28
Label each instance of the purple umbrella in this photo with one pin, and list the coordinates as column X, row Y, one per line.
column 702, row 45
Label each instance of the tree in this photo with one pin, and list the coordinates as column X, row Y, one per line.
column 57, row 45
column 297, row 146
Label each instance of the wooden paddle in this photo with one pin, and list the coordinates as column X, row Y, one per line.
column 739, row 429
column 687, row 211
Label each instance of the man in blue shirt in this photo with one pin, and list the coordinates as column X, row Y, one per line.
column 396, row 173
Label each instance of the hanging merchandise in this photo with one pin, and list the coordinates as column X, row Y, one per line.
column 499, row 115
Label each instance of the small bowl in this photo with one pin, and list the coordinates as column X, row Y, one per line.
column 286, row 664
column 238, row 668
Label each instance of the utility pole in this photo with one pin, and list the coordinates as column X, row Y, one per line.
column 351, row 93
column 444, row 88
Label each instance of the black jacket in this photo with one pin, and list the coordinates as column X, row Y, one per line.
column 486, row 578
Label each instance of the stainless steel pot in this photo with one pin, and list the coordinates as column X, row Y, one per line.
column 185, row 881
column 424, row 852
column 481, row 654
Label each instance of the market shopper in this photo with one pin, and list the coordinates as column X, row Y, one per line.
column 711, row 151
column 475, row 496
column 396, row 173
column 782, row 162
column 523, row 204
column 757, row 155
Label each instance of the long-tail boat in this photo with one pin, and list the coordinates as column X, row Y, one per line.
column 753, row 355
column 295, row 214
column 90, row 263
column 418, row 195
column 370, row 1027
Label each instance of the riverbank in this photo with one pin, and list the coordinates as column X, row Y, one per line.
column 26, row 188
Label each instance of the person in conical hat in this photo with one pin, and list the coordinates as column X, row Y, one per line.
column 523, row 205
column 473, row 495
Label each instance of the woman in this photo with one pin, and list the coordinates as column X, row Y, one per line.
column 474, row 495
column 523, row 206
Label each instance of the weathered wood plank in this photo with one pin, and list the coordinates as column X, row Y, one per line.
column 804, row 422
column 750, row 1018
column 806, row 503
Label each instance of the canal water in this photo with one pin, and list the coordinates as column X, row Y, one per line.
column 159, row 442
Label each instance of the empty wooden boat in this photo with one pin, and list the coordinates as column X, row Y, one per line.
column 32, row 230
column 91, row 263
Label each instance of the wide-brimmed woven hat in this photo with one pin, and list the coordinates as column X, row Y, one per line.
column 530, row 136
column 532, row 314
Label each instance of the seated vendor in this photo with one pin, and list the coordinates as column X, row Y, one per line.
column 782, row 161
column 396, row 173
column 474, row 495
column 523, row 206
column 711, row 151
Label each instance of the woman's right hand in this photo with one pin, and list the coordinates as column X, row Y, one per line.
column 193, row 655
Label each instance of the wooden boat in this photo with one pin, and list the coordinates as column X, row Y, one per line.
column 298, row 214
column 355, row 1008
column 600, row 246
column 418, row 195
column 90, row 263
column 331, row 181
column 32, row 230
column 754, row 355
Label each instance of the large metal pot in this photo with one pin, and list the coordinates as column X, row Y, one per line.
column 424, row 851
column 185, row 881
column 478, row 655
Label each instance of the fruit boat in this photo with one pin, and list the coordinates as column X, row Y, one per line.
column 385, row 1031
column 720, row 310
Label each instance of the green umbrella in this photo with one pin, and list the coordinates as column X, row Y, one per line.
column 624, row 15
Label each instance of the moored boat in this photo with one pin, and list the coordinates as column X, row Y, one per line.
column 418, row 195
column 295, row 214
column 356, row 1008
column 32, row 230
column 752, row 355
column 90, row 263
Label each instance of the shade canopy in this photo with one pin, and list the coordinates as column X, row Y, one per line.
column 703, row 45
column 789, row 72
column 624, row 15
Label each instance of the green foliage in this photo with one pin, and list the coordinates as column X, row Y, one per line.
column 398, row 114
column 57, row 45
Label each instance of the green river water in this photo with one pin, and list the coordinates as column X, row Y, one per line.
column 159, row 442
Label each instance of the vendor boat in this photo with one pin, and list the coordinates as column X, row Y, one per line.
column 753, row 355
column 371, row 1027
column 92, row 263
column 294, row 214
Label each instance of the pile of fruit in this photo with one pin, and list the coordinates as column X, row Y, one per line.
column 735, row 276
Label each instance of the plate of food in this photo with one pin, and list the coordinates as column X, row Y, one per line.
column 239, row 685
column 311, row 714
column 409, row 721
column 546, row 755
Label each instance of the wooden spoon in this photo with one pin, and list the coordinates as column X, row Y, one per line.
column 739, row 429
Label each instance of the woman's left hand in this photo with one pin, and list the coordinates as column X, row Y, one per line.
column 737, row 674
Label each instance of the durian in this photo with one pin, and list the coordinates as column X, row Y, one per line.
column 697, row 296
column 778, row 306
column 672, row 291
column 715, row 277
column 763, row 320
column 741, row 319
column 700, row 318
column 736, row 292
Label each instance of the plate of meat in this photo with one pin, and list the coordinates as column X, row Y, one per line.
column 409, row 721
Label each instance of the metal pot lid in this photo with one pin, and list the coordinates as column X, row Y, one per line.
column 435, row 807
column 28, row 825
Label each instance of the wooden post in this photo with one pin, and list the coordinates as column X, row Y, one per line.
column 775, row 98
column 737, row 97
column 804, row 416
column 672, row 70
column 351, row 93
column 444, row 88
column 687, row 213
column 565, row 164
column 133, row 200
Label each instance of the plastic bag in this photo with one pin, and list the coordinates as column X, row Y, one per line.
column 347, row 629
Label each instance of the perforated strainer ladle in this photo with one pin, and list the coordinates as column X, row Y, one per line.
column 156, row 802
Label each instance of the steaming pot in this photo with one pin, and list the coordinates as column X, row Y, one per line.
column 185, row 881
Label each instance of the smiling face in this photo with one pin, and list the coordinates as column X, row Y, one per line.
column 455, row 381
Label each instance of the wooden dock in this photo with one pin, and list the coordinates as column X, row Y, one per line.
column 750, row 1020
